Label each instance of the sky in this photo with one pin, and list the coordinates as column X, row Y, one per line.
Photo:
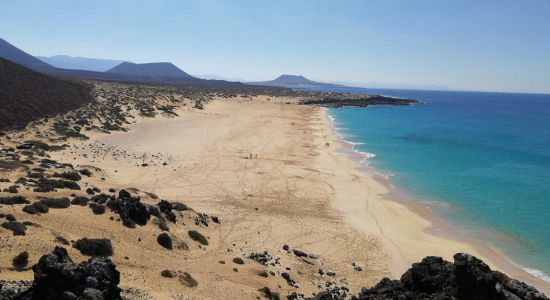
column 488, row 45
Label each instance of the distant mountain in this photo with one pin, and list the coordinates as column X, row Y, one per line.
column 218, row 77
column 27, row 95
column 160, row 70
column 14, row 54
column 80, row 63
column 293, row 81
column 153, row 73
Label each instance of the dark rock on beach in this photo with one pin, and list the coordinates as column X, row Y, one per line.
column 36, row 208
column 56, row 202
column 435, row 278
column 130, row 209
column 97, row 209
column 165, row 240
column 94, row 247
column 14, row 200
column 17, row 228
column 80, row 200
column 198, row 237
column 20, row 261
column 56, row 276
column 43, row 206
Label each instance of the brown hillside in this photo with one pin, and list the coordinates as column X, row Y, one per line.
column 26, row 95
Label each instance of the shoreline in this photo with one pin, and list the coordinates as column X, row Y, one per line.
column 272, row 173
column 439, row 227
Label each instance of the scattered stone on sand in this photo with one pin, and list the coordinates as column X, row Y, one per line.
column 301, row 253
column 435, row 278
column 188, row 280
column 130, row 209
column 94, row 247
column 61, row 240
column 17, row 228
column 165, row 240
column 56, row 202
column 80, row 200
column 56, row 276
column 97, row 209
column 20, row 261
column 268, row 294
column 14, row 200
column 36, row 208
column 238, row 261
column 198, row 237
column 168, row 273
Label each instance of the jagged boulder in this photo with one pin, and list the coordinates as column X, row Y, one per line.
column 56, row 276
column 466, row 278
column 130, row 209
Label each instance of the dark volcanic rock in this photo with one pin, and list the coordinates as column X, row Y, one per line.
column 74, row 176
column 56, row 276
column 36, row 208
column 165, row 240
column 435, row 278
column 94, row 247
column 85, row 172
column 166, row 207
column 198, row 237
column 97, row 209
column 20, row 261
column 17, row 228
column 188, row 280
column 56, row 202
column 130, row 209
column 43, row 206
column 44, row 185
column 80, row 200
column 238, row 261
column 168, row 273
column 14, row 200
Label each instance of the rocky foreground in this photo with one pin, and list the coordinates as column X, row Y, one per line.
column 56, row 276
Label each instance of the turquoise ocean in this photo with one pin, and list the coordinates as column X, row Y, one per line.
column 480, row 160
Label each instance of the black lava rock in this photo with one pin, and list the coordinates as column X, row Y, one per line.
column 130, row 209
column 20, row 261
column 94, row 247
column 80, row 200
column 97, row 209
column 14, row 200
column 165, row 240
column 466, row 278
column 198, row 237
column 17, row 228
column 56, row 276
column 36, row 208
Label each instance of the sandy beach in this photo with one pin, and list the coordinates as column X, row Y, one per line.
column 275, row 175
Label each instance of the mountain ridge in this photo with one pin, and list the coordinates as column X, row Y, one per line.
column 27, row 95
column 157, row 69
column 18, row 56
column 14, row 54
column 294, row 81
column 80, row 63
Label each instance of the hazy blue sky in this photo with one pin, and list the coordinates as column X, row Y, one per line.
column 466, row 44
